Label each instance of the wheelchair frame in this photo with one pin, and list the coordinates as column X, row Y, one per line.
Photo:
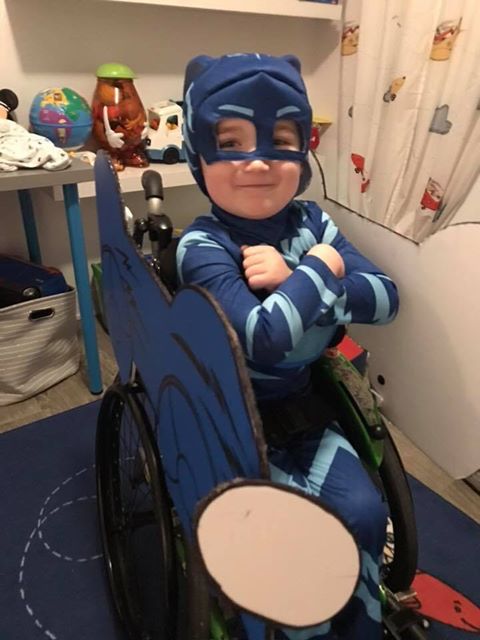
column 121, row 472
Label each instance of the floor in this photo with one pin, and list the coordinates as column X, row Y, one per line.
column 73, row 392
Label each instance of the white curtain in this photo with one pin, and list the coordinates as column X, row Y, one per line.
column 409, row 111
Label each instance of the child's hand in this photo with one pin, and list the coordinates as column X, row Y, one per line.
column 330, row 256
column 264, row 267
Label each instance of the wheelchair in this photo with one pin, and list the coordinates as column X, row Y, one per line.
column 161, row 449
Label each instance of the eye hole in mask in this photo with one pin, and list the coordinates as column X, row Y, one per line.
column 240, row 135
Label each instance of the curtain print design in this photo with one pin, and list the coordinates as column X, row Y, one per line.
column 393, row 89
column 359, row 164
column 350, row 36
column 440, row 122
column 444, row 39
column 409, row 123
column 432, row 198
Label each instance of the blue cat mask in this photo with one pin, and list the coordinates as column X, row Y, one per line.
column 259, row 88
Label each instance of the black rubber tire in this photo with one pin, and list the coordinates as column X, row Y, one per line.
column 171, row 156
column 135, row 514
column 398, row 574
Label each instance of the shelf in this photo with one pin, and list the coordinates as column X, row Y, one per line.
column 173, row 175
column 293, row 8
column 78, row 172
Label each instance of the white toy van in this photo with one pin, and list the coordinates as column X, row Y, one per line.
column 165, row 140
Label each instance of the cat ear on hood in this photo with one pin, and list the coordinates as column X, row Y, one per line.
column 195, row 68
column 294, row 61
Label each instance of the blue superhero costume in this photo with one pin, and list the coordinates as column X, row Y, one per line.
column 282, row 332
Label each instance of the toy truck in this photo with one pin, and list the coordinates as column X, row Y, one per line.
column 165, row 141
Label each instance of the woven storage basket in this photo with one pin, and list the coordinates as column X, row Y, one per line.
column 38, row 345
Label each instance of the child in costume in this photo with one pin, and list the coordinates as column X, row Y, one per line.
column 287, row 279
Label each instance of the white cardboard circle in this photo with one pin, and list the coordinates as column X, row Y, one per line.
column 278, row 554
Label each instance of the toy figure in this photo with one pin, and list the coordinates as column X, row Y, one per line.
column 287, row 279
column 8, row 103
column 119, row 119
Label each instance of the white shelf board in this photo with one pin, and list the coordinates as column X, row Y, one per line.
column 293, row 8
column 173, row 175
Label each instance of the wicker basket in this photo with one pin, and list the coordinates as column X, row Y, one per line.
column 38, row 345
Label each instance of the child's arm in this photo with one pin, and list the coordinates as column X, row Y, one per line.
column 369, row 296
column 265, row 267
column 268, row 331
column 311, row 295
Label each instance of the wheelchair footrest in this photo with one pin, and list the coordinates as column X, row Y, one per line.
column 403, row 623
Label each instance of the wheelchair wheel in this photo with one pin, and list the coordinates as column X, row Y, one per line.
column 401, row 555
column 135, row 517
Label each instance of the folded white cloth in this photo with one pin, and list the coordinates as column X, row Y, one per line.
column 20, row 149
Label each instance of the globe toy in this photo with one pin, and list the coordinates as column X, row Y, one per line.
column 62, row 116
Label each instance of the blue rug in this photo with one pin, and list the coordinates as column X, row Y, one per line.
column 448, row 583
column 52, row 581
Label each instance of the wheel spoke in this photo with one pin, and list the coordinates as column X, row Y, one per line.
column 142, row 519
column 135, row 517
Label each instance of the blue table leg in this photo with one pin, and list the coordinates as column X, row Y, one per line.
column 80, row 266
column 29, row 225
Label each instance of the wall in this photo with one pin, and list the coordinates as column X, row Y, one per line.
column 66, row 42
column 429, row 356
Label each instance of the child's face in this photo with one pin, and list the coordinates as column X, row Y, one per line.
column 253, row 189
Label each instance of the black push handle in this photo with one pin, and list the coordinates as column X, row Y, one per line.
column 152, row 184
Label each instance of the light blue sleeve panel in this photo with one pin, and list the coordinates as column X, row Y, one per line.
column 369, row 296
column 271, row 329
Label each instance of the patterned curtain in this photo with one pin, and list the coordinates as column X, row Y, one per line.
column 409, row 111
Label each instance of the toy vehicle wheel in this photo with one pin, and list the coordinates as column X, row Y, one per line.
column 135, row 517
column 402, row 545
column 171, row 156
